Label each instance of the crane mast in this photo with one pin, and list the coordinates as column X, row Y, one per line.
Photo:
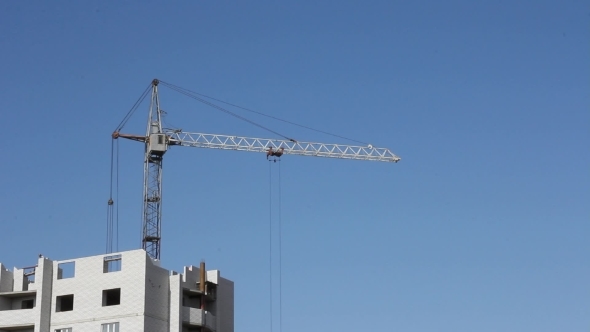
column 157, row 140
column 155, row 147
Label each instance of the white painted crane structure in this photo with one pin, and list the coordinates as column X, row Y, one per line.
column 157, row 140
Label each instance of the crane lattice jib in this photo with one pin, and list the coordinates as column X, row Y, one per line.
column 225, row 142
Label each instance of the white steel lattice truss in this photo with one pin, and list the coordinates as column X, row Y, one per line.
column 152, row 205
column 225, row 142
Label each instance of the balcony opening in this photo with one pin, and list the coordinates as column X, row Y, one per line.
column 27, row 304
column 66, row 270
column 191, row 301
column 111, row 297
column 112, row 263
column 191, row 329
column 64, row 303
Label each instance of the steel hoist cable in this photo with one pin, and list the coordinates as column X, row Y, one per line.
column 280, row 245
column 270, row 238
column 172, row 86
column 112, row 210
column 190, row 94
column 280, row 257
column 110, row 202
column 117, row 206
column 133, row 108
column 112, row 238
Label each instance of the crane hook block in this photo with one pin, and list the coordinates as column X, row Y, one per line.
column 271, row 153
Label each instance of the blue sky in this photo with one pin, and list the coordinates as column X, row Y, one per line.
column 481, row 227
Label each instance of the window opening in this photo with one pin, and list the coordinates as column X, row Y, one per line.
column 64, row 303
column 66, row 270
column 110, row 327
column 67, row 329
column 111, row 297
column 112, row 263
column 212, row 291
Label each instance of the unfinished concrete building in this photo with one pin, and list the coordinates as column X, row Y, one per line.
column 126, row 291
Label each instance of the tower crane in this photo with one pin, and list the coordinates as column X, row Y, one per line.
column 157, row 140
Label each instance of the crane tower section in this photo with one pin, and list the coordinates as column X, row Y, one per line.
column 155, row 147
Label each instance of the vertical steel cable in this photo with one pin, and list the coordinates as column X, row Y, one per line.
column 106, row 250
column 117, row 205
column 109, row 243
column 270, row 236
column 280, row 258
